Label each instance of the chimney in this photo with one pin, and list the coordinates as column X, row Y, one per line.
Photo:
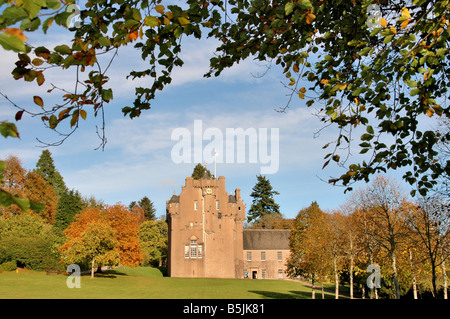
column 238, row 194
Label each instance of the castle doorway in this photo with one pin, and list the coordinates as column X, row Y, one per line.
column 254, row 274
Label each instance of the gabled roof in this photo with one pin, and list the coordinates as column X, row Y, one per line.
column 266, row 239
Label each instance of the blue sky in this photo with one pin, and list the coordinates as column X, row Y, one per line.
column 137, row 161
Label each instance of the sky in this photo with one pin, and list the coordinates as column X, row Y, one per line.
column 138, row 159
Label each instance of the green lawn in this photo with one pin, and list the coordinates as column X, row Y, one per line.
column 145, row 282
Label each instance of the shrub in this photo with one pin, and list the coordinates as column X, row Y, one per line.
column 8, row 266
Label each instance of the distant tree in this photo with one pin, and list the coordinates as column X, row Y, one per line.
column 272, row 221
column 69, row 205
column 430, row 221
column 149, row 209
column 309, row 257
column 13, row 183
column 132, row 204
column 91, row 201
column 27, row 241
column 38, row 190
column 138, row 212
column 153, row 236
column 45, row 167
column 384, row 203
column 124, row 225
column 263, row 202
column 200, row 171
column 95, row 245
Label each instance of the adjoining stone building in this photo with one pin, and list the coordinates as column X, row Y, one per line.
column 207, row 239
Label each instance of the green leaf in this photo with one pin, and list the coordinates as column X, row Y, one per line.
column 305, row 4
column 107, row 95
column 23, row 203
column 8, row 129
column 370, row 130
column 33, row 7
column 411, row 84
column 364, row 51
column 37, row 207
column 288, row 8
column 11, row 42
column 388, row 39
column 104, row 41
column 152, row 21
column 63, row 49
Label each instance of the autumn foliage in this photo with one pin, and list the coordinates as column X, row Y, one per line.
column 117, row 221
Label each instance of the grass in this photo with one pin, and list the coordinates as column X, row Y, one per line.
column 148, row 283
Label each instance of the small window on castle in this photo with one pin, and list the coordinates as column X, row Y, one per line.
column 279, row 256
column 217, row 205
column 219, row 215
column 249, row 256
column 186, row 251
column 239, row 207
column 195, row 205
column 199, row 251
column 263, row 255
column 263, row 271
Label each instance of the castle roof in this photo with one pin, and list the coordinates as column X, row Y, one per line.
column 266, row 239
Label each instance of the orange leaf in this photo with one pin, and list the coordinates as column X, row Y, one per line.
column 404, row 24
column 383, row 22
column 38, row 100
column 133, row 35
column 17, row 33
column 159, row 9
column 295, row 68
column 309, row 18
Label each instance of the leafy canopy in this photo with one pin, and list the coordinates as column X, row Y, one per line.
column 378, row 65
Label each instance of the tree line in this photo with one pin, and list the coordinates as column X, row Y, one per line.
column 70, row 228
column 377, row 225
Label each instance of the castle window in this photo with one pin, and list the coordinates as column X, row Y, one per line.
column 195, row 205
column 193, row 251
column 279, row 255
column 263, row 255
column 217, row 205
column 263, row 271
column 249, row 256
column 219, row 215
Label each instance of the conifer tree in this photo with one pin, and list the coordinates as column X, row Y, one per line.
column 200, row 171
column 45, row 167
column 149, row 210
column 263, row 202
column 70, row 203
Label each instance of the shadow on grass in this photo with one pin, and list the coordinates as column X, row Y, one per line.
column 278, row 295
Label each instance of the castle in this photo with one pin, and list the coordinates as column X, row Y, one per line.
column 207, row 238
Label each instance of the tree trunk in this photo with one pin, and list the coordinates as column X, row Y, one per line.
column 323, row 292
column 433, row 278
column 413, row 274
column 395, row 274
column 313, row 287
column 351, row 276
column 336, row 278
column 92, row 268
column 444, row 273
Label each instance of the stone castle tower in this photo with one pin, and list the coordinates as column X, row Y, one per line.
column 206, row 230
